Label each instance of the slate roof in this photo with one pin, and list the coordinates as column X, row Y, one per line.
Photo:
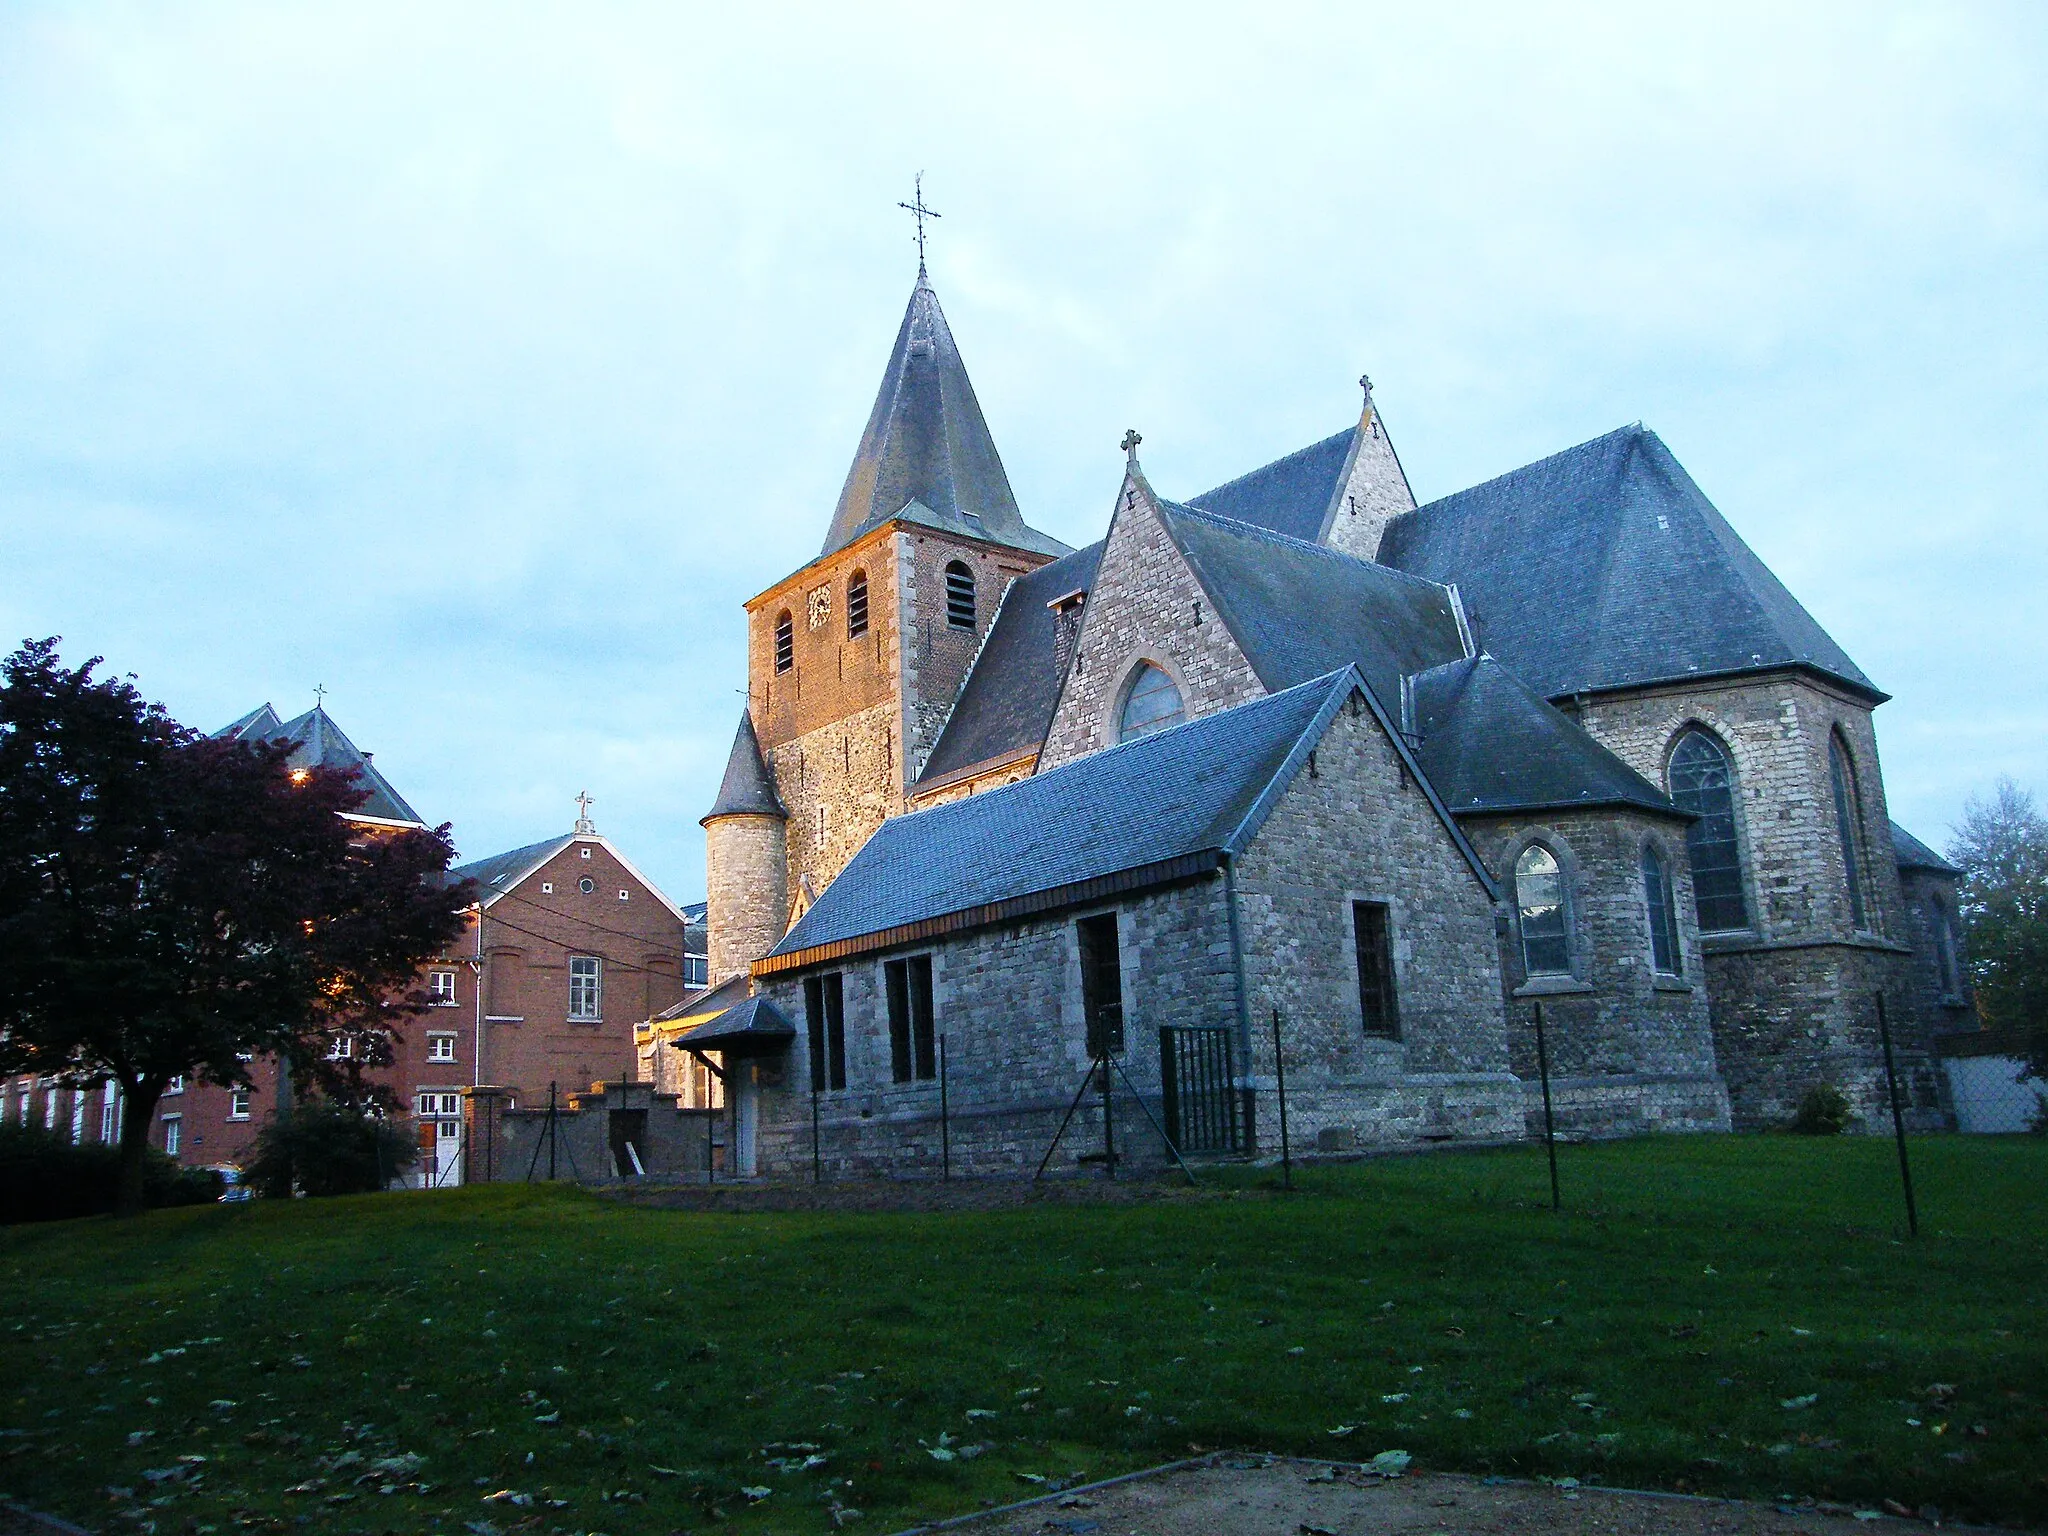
column 748, row 788
column 1006, row 704
column 1605, row 566
column 1291, row 495
column 754, row 1027
column 707, row 1004
column 318, row 742
column 1163, row 807
column 1489, row 744
column 1914, row 854
column 927, row 454
column 1299, row 610
column 501, row 871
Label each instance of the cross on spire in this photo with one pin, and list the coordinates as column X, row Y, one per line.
column 319, row 695
column 1130, row 444
column 583, row 804
column 917, row 207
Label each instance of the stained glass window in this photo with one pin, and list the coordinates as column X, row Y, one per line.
column 1539, row 894
column 1703, row 782
column 1152, row 704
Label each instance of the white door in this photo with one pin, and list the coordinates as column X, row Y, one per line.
column 746, row 1115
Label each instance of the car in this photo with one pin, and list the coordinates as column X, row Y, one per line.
column 232, row 1189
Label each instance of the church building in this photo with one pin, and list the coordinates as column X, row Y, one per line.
column 1292, row 776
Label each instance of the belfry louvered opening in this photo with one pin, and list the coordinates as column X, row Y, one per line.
column 959, row 595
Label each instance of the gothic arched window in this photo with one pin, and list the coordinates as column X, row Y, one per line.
column 1944, row 950
column 1152, row 704
column 1848, row 823
column 1703, row 782
column 856, row 605
column 959, row 595
column 1539, row 898
column 785, row 641
column 1665, row 956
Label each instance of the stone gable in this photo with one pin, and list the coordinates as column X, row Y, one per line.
column 1375, row 491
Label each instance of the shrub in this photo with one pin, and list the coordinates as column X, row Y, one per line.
column 43, row 1177
column 1823, row 1111
column 325, row 1148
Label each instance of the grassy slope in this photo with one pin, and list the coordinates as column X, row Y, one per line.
column 1649, row 1336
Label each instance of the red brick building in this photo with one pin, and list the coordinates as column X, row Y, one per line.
column 568, row 948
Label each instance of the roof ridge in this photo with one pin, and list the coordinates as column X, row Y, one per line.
column 1260, row 533
column 1634, row 427
column 1285, row 458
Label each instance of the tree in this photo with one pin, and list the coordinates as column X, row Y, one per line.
column 2001, row 846
column 173, row 905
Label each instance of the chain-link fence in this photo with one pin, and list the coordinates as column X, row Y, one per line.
column 1988, row 1086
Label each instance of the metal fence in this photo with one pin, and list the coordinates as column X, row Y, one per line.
column 1987, row 1085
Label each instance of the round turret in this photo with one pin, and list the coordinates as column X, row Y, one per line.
column 746, row 863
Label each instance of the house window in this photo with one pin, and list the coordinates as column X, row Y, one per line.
column 238, row 1103
column 825, row 1022
column 341, row 1048
column 913, row 1050
column 49, row 1109
column 77, row 1116
column 1848, row 822
column 785, row 641
column 1102, row 984
column 440, row 1047
column 1539, row 898
column 174, row 1134
column 856, row 605
column 696, row 970
column 1152, row 704
column 110, row 1113
column 1657, row 902
column 1372, row 930
column 175, row 1085
column 443, row 986
column 1703, row 782
column 586, row 988
column 959, row 595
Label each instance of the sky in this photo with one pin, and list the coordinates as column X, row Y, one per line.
column 477, row 362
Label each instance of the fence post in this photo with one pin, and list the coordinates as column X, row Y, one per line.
column 551, row 1130
column 1891, row 1083
column 1549, row 1121
column 1108, row 1120
column 1280, row 1089
column 945, row 1120
column 817, row 1157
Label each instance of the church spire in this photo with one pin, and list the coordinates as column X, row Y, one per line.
column 927, row 455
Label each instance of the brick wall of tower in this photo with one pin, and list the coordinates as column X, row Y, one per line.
column 938, row 654
column 1791, row 999
column 1145, row 605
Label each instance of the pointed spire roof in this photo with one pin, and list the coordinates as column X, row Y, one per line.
column 926, row 455
column 318, row 742
column 748, row 788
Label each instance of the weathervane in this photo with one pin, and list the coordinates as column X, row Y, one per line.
column 917, row 207
column 583, row 804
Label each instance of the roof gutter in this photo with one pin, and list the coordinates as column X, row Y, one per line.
column 1873, row 695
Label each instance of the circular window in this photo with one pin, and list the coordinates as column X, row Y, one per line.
column 586, row 885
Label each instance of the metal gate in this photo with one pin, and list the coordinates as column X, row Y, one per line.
column 1194, row 1070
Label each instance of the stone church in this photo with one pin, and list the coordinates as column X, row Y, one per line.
column 1292, row 776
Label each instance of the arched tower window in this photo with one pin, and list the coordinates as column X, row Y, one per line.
column 1848, row 823
column 1665, row 955
column 856, row 605
column 959, row 595
column 1152, row 704
column 785, row 641
column 1703, row 782
column 1539, row 898
column 1944, row 949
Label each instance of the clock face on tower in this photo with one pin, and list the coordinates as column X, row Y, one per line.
column 821, row 606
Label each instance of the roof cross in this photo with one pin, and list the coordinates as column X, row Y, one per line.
column 917, row 207
column 583, row 804
column 319, row 695
column 1130, row 444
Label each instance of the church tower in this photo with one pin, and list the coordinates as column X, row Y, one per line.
column 854, row 661
column 745, row 862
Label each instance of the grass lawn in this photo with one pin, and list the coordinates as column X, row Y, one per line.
column 1713, row 1314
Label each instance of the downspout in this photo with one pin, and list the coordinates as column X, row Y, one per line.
column 476, row 1076
column 1244, row 1007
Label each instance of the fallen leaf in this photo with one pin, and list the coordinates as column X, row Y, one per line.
column 1389, row 1464
column 1800, row 1402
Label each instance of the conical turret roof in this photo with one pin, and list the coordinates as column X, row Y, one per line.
column 748, row 788
column 926, row 454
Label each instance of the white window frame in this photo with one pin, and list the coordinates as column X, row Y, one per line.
column 77, row 1117
column 175, row 1086
column 442, row 984
column 547, row 887
column 239, row 1100
column 110, row 1113
column 441, row 1046
column 586, row 989
column 624, row 894
column 174, row 1134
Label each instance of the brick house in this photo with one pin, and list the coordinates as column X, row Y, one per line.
column 1665, row 770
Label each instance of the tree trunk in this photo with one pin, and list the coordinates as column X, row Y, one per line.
column 138, row 1115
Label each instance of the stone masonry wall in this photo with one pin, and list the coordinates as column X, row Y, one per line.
column 1007, row 999
column 1145, row 605
column 1630, row 1051
column 745, row 874
column 1375, row 492
column 1356, row 826
column 839, row 783
column 1791, row 997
